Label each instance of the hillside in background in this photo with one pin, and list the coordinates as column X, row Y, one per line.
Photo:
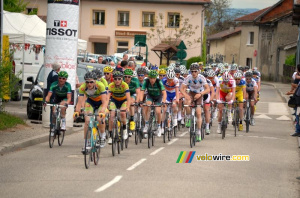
column 236, row 12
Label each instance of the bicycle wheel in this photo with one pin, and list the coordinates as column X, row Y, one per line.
column 166, row 128
column 126, row 142
column 114, row 138
column 192, row 133
column 121, row 138
column 203, row 127
column 88, row 153
column 136, row 136
column 223, row 129
column 150, row 133
column 51, row 138
column 60, row 138
column 96, row 149
column 247, row 119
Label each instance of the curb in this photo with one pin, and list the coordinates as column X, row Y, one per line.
column 284, row 99
column 7, row 148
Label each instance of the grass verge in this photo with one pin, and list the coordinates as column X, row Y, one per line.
column 7, row 120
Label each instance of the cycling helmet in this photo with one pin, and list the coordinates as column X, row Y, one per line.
column 226, row 65
column 233, row 67
column 248, row 74
column 140, row 71
column 162, row 72
column 204, row 74
column 146, row 70
column 200, row 63
column 90, row 75
column 98, row 73
column 152, row 74
column 247, row 67
column 134, row 74
column 171, row 74
column 220, row 65
column 172, row 65
column 182, row 67
column 211, row 73
column 214, row 65
column 255, row 69
column 238, row 75
column 222, row 70
column 177, row 70
column 107, row 69
column 154, row 67
column 255, row 73
column 177, row 64
column 117, row 74
column 128, row 72
column 63, row 74
column 194, row 66
column 226, row 77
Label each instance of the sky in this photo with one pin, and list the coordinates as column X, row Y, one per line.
column 259, row 4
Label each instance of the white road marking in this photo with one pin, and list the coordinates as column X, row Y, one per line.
column 172, row 141
column 263, row 116
column 136, row 164
column 278, row 109
column 183, row 134
column 157, row 150
column 283, row 118
column 109, row 184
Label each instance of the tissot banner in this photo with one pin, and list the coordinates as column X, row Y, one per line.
column 62, row 37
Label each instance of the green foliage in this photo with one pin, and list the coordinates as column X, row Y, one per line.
column 195, row 59
column 204, row 47
column 290, row 60
column 163, row 67
column 8, row 121
column 15, row 5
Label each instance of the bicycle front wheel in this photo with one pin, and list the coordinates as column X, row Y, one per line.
column 96, row 149
column 247, row 119
column 60, row 138
column 51, row 138
column 223, row 129
column 166, row 128
column 192, row 134
column 88, row 153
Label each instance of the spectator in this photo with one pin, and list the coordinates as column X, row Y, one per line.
column 112, row 63
column 131, row 58
column 104, row 62
column 52, row 77
column 131, row 65
column 296, row 78
column 294, row 89
column 125, row 57
column 124, row 64
column 92, row 61
column 100, row 59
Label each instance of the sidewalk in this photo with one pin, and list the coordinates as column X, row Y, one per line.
column 282, row 89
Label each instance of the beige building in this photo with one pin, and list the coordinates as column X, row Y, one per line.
column 226, row 44
column 110, row 26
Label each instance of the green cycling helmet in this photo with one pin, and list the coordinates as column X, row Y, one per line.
column 63, row 74
column 117, row 74
column 128, row 72
column 153, row 74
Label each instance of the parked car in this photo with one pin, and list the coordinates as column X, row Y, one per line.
column 35, row 99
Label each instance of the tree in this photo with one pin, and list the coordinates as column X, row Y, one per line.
column 219, row 16
column 161, row 33
column 15, row 5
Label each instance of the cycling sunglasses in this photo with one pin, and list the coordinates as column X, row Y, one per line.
column 106, row 73
column 162, row 75
column 194, row 71
column 127, row 76
column 117, row 78
column 62, row 78
column 89, row 82
column 141, row 75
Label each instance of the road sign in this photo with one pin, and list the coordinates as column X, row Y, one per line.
column 140, row 39
column 181, row 46
column 181, row 54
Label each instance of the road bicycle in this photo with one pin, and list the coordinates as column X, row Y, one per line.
column 92, row 139
column 138, row 117
column 247, row 114
column 55, row 128
column 193, row 126
column 117, row 133
column 169, row 129
column 236, row 117
column 152, row 124
column 224, row 121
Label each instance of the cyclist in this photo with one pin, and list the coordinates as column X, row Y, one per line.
column 108, row 74
column 134, row 88
column 198, row 87
column 141, row 75
column 225, row 93
column 251, row 89
column 201, row 66
column 257, row 80
column 62, row 95
column 178, row 72
column 240, row 95
column 120, row 99
column 162, row 73
column 171, row 84
column 211, row 75
column 233, row 69
column 95, row 93
column 207, row 98
column 156, row 94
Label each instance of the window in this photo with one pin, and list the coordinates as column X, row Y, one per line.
column 32, row 11
column 251, row 38
column 100, row 48
column 148, row 19
column 123, row 18
column 249, row 62
column 98, row 17
column 173, row 20
column 122, row 46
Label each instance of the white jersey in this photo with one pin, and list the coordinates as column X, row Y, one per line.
column 250, row 86
column 195, row 85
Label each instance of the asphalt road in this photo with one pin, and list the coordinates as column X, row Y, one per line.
column 39, row 171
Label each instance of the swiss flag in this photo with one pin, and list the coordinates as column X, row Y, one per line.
column 63, row 23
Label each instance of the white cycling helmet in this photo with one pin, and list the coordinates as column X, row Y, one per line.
column 211, row 73
column 238, row 75
column 172, row 65
column 226, row 77
column 170, row 74
column 134, row 74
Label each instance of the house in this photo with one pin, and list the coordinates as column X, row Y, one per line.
column 225, row 44
column 110, row 26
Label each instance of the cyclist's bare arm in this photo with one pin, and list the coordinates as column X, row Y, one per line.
column 164, row 93
column 233, row 93
column 138, row 92
column 79, row 103
column 47, row 99
column 182, row 90
column 141, row 99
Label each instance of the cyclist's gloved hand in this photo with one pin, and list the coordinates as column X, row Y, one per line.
column 230, row 102
column 219, row 101
column 44, row 103
column 76, row 114
column 66, row 105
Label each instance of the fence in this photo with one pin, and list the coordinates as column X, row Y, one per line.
column 288, row 71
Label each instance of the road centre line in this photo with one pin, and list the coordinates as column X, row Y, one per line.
column 157, row 150
column 109, row 184
column 136, row 164
column 172, row 141
column 183, row 134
